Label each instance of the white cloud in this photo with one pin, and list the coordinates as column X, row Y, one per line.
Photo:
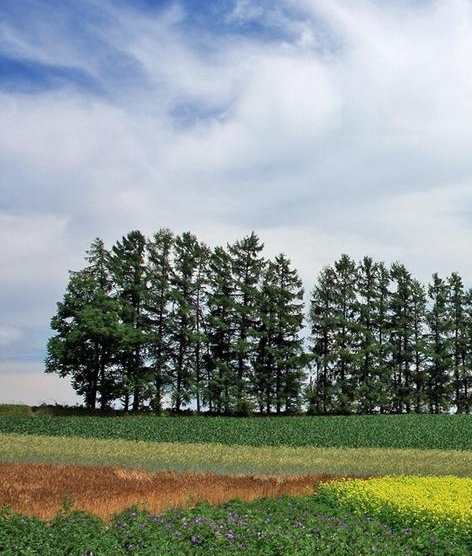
column 349, row 133
column 9, row 335
column 246, row 11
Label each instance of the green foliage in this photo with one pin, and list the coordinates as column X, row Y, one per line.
column 247, row 265
column 278, row 369
column 269, row 527
column 15, row 410
column 221, row 331
column 439, row 349
column 380, row 346
column 74, row 534
column 380, row 431
column 87, row 330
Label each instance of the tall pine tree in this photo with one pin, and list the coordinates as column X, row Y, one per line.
column 130, row 277
column 438, row 387
column 186, row 319
column 320, row 390
column 220, row 328
column 278, row 370
column 247, row 265
column 159, row 256
column 456, row 308
column 88, row 329
column 373, row 325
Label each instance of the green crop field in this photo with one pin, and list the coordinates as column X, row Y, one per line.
column 441, row 432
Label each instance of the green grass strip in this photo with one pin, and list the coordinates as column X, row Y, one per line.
column 224, row 459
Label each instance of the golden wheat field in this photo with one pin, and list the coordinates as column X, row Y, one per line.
column 41, row 489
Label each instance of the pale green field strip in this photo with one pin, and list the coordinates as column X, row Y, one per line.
column 224, row 459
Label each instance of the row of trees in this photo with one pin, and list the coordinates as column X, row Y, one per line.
column 381, row 341
column 168, row 320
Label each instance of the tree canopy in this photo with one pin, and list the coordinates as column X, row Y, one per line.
column 168, row 321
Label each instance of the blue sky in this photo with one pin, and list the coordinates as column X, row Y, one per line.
column 327, row 126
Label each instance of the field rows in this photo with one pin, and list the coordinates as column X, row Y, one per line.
column 441, row 432
column 168, row 462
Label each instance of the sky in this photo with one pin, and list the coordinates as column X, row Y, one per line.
column 326, row 126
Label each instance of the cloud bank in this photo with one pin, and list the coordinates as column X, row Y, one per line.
column 327, row 126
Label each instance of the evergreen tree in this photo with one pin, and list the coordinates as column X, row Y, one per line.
column 402, row 339
column 159, row 256
column 345, row 333
column 382, row 337
column 464, row 401
column 334, row 316
column 373, row 324
column 278, row 371
column 190, row 259
column 220, row 322
column 87, row 326
column 200, row 342
column 130, row 276
column 457, row 316
column 438, row 385
column 419, row 345
column 408, row 305
column 320, row 390
column 247, row 265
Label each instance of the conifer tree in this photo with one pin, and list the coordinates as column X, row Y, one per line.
column 130, row 277
column 247, row 265
column 319, row 391
column 419, row 343
column 200, row 334
column 88, row 329
column 464, row 401
column 402, row 339
column 373, row 324
column 457, row 316
column 220, row 322
column 159, row 256
column 345, row 337
column 278, row 370
column 382, row 337
column 438, row 387
column 190, row 259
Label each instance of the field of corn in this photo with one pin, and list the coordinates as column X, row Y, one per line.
column 386, row 485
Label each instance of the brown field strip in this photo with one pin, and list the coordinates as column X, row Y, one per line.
column 40, row 489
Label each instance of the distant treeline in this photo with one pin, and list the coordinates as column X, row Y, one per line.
column 169, row 321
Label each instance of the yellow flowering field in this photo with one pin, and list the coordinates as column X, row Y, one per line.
column 436, row 500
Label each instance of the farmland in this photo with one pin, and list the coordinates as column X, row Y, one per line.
column 165, row 483
column 442, row 432
column 299, row 526
column 225, row 459
column 41, row 489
